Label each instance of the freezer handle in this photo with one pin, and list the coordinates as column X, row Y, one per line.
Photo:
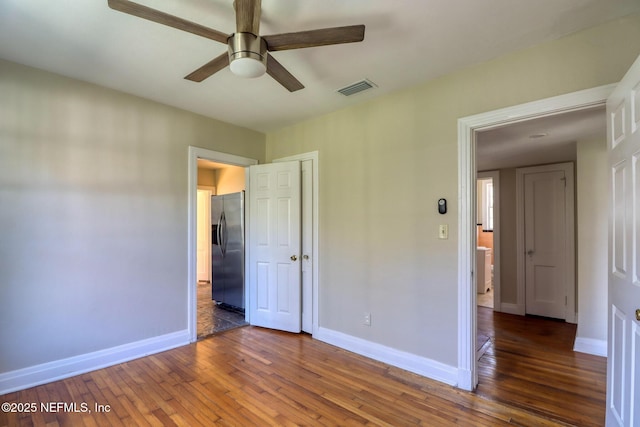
column 223, row 234
column 219, row 233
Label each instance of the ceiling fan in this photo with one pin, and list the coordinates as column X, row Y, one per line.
column 248, row 54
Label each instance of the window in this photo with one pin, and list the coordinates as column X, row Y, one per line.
column 485, row 204
column 487, row 221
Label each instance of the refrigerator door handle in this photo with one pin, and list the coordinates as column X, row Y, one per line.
column 219, row 234
column 223, row 244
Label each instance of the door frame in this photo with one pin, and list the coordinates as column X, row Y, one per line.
column 570, row 247
column 467, row 128
column 196, row 153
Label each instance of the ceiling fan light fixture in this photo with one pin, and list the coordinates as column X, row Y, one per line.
column 247, row 55
column 247, row 67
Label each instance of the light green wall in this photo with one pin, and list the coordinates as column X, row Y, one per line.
column 592, row 195
column 93, row 214
column 508, row 231
column 385, row 163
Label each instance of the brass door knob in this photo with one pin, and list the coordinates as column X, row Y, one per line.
column 294, row 258
column 638, row 315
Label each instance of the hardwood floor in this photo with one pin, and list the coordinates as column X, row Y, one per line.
column 253, row 377
column 531, row 366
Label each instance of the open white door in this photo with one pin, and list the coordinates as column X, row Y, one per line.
column 274, row 246
column 623, row 362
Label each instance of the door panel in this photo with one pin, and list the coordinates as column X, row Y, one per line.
column 623, row 361
column 619, row 220
column 274, row 239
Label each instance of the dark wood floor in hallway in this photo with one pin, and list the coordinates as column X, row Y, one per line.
column 255, row 377
column 531, row 365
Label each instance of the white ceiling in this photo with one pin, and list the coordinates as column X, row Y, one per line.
column 209, row 165
column 406, row 42
column 544, row 140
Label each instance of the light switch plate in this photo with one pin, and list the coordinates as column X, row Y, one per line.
column 443, row 231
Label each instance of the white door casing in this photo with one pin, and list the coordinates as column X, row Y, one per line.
column 623, row 361
column 274, row 246
column 546, row 212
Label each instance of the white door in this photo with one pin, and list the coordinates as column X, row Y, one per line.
column 623, row 361
column 548, row 233
column 274, row 246
column 203, row 230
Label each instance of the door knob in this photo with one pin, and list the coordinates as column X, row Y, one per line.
column 530, row 252
column 305, row 257
column 294, row 258
column 638, row 315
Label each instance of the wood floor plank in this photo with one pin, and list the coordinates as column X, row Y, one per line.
column 529, row 375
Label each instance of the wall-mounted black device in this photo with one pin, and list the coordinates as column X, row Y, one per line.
column 442, row 206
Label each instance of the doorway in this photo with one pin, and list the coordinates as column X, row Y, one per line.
column 220, row 296
column 196, row 154
column 468, row 129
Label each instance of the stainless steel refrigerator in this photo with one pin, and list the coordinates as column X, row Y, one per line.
column 227, row 249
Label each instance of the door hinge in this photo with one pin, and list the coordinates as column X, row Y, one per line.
column 565, row 300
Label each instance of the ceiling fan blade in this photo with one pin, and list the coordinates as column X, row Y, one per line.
column 282, row 76
column 322, row 37
column 153, row 15
column 248, row 16
column 209, row 68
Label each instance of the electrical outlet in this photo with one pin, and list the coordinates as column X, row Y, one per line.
column 367, row 319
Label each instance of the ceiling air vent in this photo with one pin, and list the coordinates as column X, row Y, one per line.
column 357, row 87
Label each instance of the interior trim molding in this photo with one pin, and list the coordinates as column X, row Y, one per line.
column 413, row 363
column 590, row 346
column 32, row 376
column 467, row 128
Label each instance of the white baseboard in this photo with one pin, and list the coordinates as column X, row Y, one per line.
column 510, row 308
column 21, row 379
column 408, row 361
column 590, row 346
